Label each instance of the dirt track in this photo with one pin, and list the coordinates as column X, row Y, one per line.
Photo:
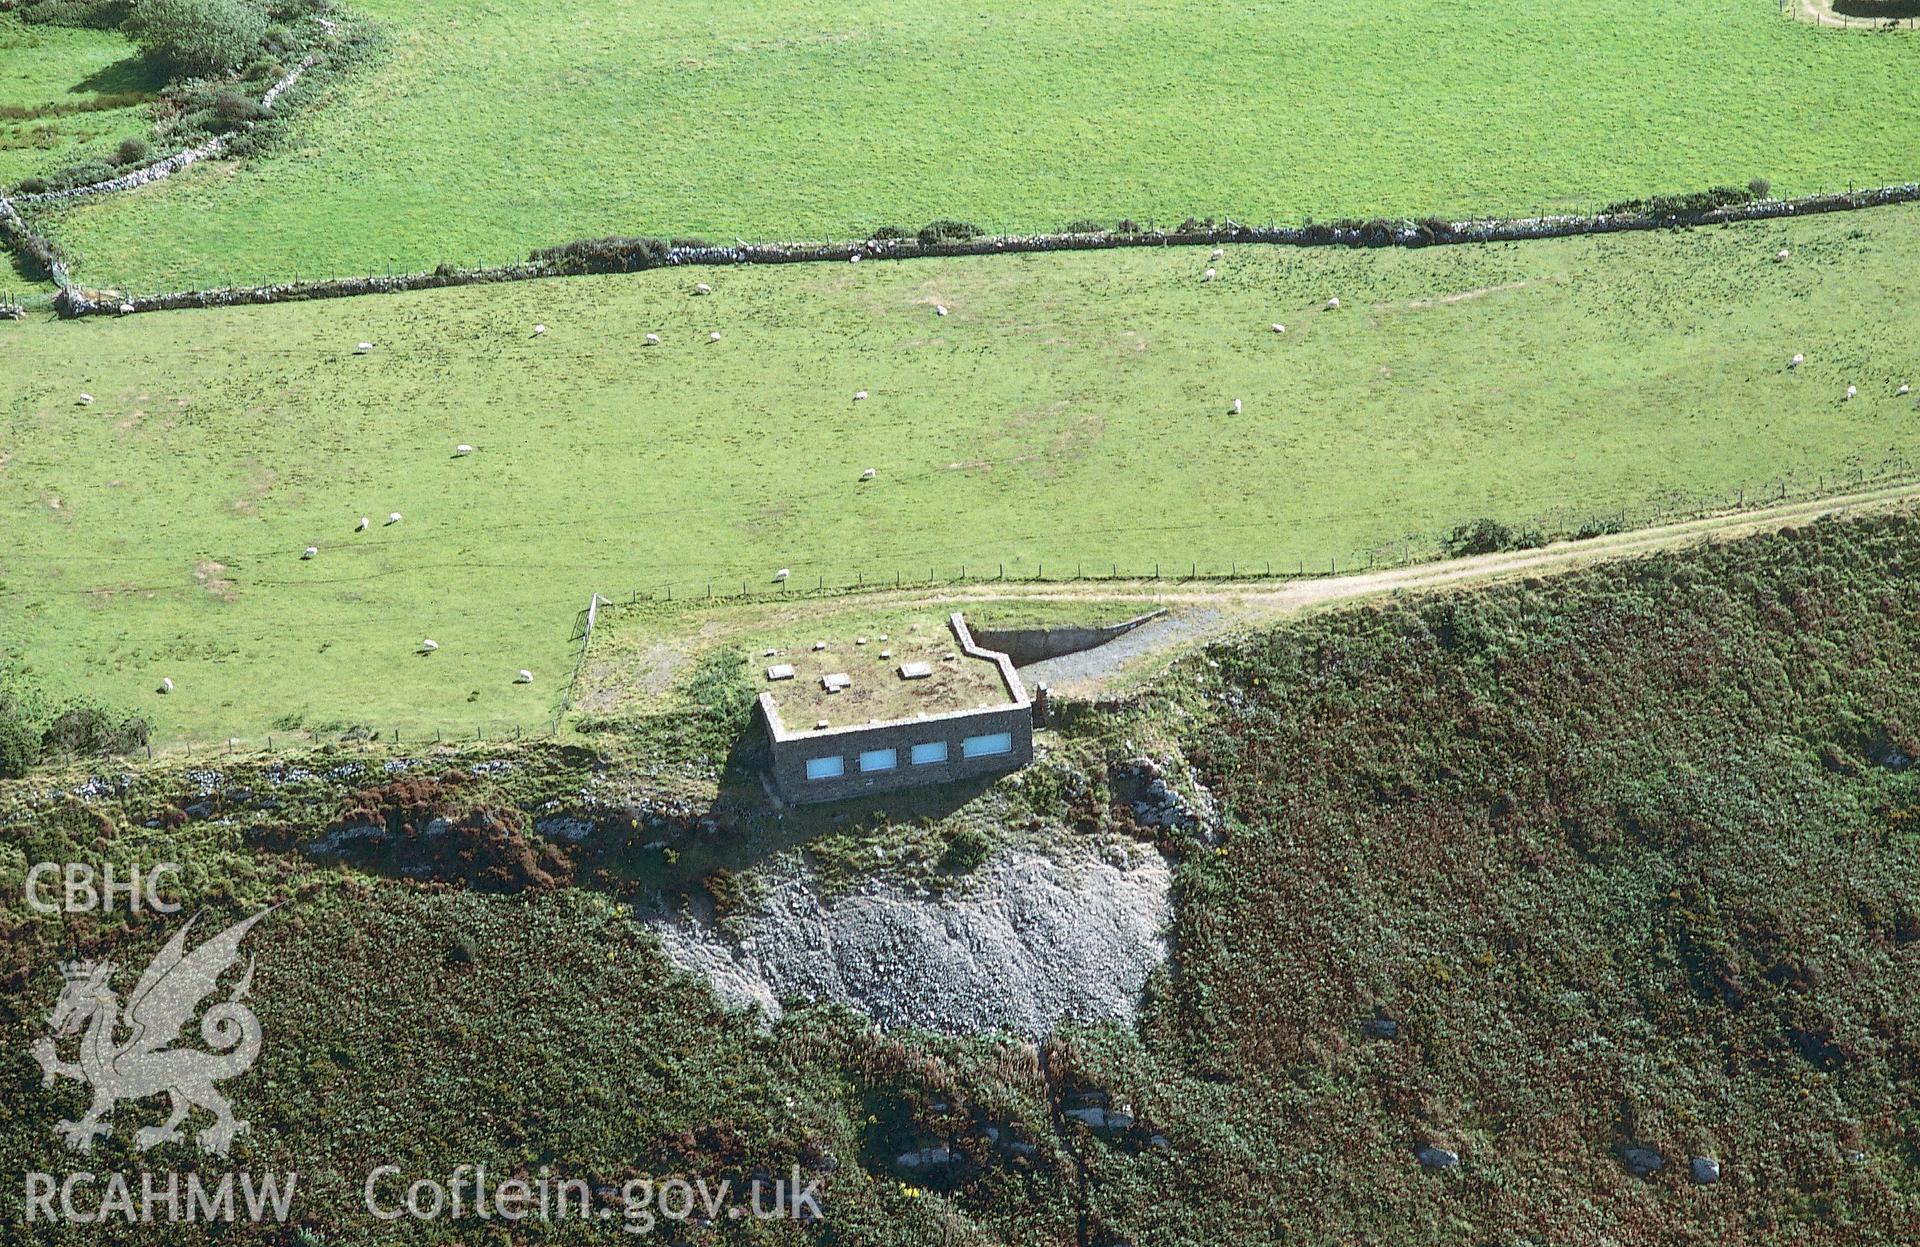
column 1217, row 609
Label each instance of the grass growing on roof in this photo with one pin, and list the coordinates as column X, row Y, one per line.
column 1073, row 410
column 491, row 129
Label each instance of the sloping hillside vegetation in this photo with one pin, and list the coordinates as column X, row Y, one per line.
column 1627, row 859
column 1534, row 875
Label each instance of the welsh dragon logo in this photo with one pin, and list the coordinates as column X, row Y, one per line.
column 145, row 1064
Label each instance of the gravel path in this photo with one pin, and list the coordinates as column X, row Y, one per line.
column 1032, row 942
column 1082, row 673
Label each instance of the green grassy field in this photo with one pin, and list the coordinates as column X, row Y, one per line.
column 1072, row 409
column 52, row 83
column 491, row 128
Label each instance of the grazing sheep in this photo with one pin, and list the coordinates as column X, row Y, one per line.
column 1217, row 253
column 702, row 288
column 1333, row 304
column 653, row 339
column 362, row 526
column 525, row 677
column 939, row 309
column 429, row 645
column 126, row 309
column 714, row 336
column 867, row 475
column 854, row 258
column 858, row 395
column 1851, row 391
column 1902, row 391
column 166, row 684
column 538, row 330
column 1209, row 275
column 819, row 645
column 1780, row 255
column 86, row 400
column 1797, row 360
column 463, row 449
column 1279, row 328
column 310, row 552
column 394, row 518
column 363, row 348
column 781, row 575
column 1236, row 406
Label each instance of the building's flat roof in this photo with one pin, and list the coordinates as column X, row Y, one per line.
column 876, row 690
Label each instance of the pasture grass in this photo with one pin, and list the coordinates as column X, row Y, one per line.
column 489, row 129
column 53, row 81
column 1072, row 411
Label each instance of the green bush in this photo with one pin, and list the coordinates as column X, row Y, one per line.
column 966, row 850
column 205, row 37
column 131, row 152
column 19, row 746
column 1085, row 225
column 85, row 731
column 945, row 230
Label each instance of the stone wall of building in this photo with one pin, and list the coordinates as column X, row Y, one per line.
column 793, row 749
column 794, row 746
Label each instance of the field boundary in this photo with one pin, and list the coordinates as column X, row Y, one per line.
column 634, row 255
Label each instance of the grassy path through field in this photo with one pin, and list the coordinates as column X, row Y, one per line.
column 1207, row 612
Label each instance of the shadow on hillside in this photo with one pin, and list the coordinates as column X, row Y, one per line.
column 134, row 75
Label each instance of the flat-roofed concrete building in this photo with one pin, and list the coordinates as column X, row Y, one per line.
column 857, row 717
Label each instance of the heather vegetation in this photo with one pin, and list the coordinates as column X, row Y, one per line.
column 1534, row 875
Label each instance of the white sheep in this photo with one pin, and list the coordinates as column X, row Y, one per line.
column 781, row 575
column 1236, row 406
column 539, row 330
column 867, row 475
column 1217, row 253
column 1279, row 328
column 86, row 400
column 859, row 395
column 126, row 309
column 939, row 309
column 363, row 348
column 1780, row 255
column 393, row 518
column 1902, row 391
column 1209, row 275
column 714, row 336
column 1851, row 391
column 702, row 288
column 653, row 339
column 1797, row 360
column 310, row 552
column 463, row 449
column 429, row 645
column 525, row 676
column 166, row 684
column 1333, row 304
column 854, row 258
column 362, row 526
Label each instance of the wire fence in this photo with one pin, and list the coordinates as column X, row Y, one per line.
column 1561, row 523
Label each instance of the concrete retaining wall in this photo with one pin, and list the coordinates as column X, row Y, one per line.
column 1026, row 646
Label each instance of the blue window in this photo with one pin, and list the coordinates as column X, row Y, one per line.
column 826, row 768
column 986, row 746
column 879, row 760
column 929, row 753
